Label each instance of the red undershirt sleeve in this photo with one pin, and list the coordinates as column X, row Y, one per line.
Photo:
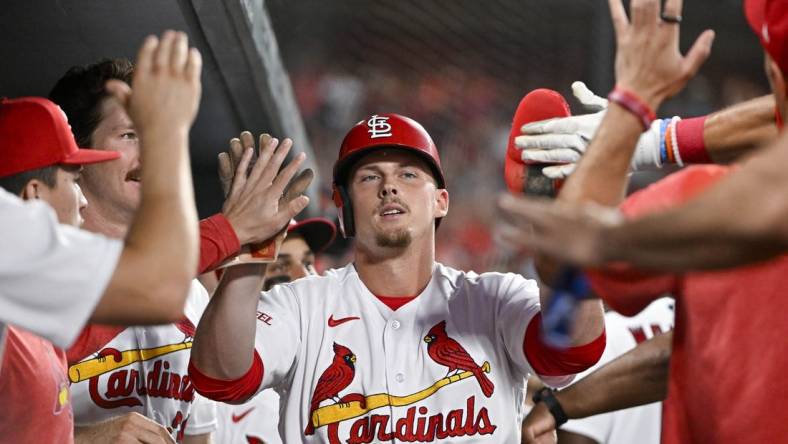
column 234, row 391
column 218, row 241
column 549, row 361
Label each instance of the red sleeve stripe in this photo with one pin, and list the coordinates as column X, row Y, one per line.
column 232, row 391
column 550, row 361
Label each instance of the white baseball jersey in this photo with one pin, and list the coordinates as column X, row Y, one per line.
column 52, row 275
column 253, row 422
column 145, row 370
column 638, row 424
column 447, row 366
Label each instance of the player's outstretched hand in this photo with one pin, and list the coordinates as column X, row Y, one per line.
column 648, row 61
column 165, row 89
column 539, row 426
column 576, row 234
column 564, row 140
column 131, row 428
column 255, row 206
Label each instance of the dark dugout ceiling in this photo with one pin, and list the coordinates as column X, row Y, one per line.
column 245, row 85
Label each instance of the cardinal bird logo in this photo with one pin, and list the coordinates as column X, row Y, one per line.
column 446, row 351
column 186, row 327
column 334, row 379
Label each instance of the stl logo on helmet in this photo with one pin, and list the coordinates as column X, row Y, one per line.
column 379, row 127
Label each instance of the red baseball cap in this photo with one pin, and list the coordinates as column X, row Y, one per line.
column 34, row 133
column 318, row 232
column 769, row 20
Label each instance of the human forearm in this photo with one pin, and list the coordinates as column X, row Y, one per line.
column 635, row 378
column 224, row 341
column 709, row 231
column 735, row 130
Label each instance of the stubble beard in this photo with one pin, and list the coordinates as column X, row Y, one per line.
column 400, row 238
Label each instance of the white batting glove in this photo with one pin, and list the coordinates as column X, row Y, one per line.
column 564, row 140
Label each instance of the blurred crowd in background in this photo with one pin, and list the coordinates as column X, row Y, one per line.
column 462, row 77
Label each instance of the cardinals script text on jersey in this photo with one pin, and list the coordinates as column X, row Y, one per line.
column 449, row 365
column 141, row 369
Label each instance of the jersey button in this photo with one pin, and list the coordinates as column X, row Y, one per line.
column 399, row 377
column 395, row 324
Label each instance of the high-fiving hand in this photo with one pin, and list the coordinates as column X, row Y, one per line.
column 259, row 202
column 648, row 61
column 165, row 89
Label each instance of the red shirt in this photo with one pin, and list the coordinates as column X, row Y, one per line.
column 727, row 371
column 34, row 391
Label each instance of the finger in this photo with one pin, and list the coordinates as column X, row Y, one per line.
column 270, row 160
column 298, row 185
column 698, row 53
column 265, row 139
column 247, row 140
column 559, row 171
column 145, row 55
column 240, row 178
column 672, row 8
column 561, row 125
column 295, row 206
column 551, row 142
column 193, row 65
column 276, row 161
column 225, row 172
column 619, row 17
column 119, row 90
column 645, row 14
column 162, row 56
column 287, row 174
column 180, row 51
column 236, row 152
column 560, row 155
column 587, row 98
column 267, row 149
column 522, row 211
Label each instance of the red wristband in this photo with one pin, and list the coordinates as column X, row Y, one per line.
column 632, row 103
column 689, row 135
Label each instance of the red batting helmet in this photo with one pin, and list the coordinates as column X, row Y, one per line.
column 380, row 131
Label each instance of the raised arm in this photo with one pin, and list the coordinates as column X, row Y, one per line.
column 151, row 280
column 224, row 341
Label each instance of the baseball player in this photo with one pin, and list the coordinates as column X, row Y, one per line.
column 394, row 345
column 115, row 371
column 41, row 161
column 257, row 421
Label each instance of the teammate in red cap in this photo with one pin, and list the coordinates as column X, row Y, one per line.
column 717, row 317
column 58, row 276
column 390, row 190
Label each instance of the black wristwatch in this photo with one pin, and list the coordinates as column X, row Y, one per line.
column 547, row 396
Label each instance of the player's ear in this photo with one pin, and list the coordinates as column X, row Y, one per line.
column 441, row 202
column 776, row 78
column 32, row 190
